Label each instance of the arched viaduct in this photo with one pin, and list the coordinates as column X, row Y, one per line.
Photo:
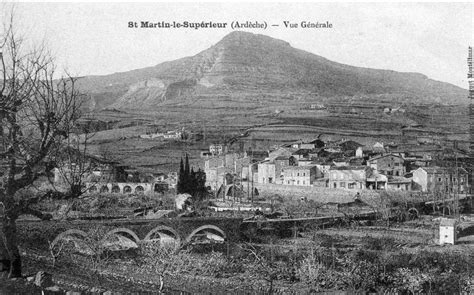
column 120, row 187
column 181, row 231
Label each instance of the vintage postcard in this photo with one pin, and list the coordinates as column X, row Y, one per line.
column 236, row 148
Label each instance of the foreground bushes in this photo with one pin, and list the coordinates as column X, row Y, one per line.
column 379, row 271
column 374, row 265
column 327, row 269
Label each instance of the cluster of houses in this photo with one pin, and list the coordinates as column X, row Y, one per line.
column 169, row 135
column 344, row 164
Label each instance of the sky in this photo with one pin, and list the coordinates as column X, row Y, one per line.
column 94, row 38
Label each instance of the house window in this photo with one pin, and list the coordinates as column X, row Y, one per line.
column 303, row 182
column 397, row 173
column 351, row 185
column 342, row 184
column 304, row 173
column 298, row 174
column 335, row 185
column 288, row 182
column 298, row 182
column 439, row 179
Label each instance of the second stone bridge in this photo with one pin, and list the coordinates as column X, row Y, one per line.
column 181, row 230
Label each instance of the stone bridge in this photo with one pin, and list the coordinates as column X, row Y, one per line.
column 181, row 231
column 120, row 187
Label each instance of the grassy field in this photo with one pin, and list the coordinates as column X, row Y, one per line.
column 268, row 121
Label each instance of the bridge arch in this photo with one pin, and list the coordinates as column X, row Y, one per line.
column 104, row 189
column 123, row 230
column 139, row 189
column 115, row 189
column 165, row 233
column 211, row 231
column 113, row 242
column 127, row 189
column 70, row 233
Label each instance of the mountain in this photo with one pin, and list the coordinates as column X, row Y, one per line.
column 249, row 63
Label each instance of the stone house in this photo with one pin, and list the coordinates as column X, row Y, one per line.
column 266, row 172
column 350, row 146
column 217, row 167
column 348, row 177
column 299, row 175
column 323, row 169
column 301, row 154
column 441, row 179
column 375, row 180
column 399, row 183
column 217, row 149
column 389, row 164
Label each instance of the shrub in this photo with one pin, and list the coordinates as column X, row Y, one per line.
column 410, row 280
column 372, row 243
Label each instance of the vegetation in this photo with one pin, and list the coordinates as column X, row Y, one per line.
column 370, row 264
column 38, row 113
column 191, row 182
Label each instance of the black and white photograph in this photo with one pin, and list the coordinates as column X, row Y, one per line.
column 236, row 148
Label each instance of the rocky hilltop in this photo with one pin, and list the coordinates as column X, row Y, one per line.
column 249, row 63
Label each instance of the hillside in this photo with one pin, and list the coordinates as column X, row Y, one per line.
column 247, row 63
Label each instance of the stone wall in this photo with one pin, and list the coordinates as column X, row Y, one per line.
column 318, row 194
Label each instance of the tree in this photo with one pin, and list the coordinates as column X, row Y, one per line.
column 38, row 113
column 181, row 179
column 187, row 185
column 190, row 181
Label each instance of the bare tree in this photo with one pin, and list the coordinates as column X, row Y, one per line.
column 38, row 112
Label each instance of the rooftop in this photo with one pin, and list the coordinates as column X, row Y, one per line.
column 302, row 152
column 385, row 155
column 349, row 168
column 440, row 170
column 307, row 167
column 398, row 179
column 281, row 158
column 447, row 222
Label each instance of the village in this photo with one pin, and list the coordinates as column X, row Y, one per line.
column 316, row 166
column 343, row 164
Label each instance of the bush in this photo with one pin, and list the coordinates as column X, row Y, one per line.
column 443, row 262
column 378, row 244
